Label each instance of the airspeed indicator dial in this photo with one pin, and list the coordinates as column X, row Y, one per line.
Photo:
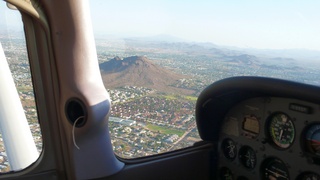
column 281, row 130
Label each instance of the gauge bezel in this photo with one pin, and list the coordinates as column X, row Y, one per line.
column 223, row 170
column 304, row 141
column 223, row 149
column 266, row 162
column 272, row 140
column 304, row 174
column 246, row 148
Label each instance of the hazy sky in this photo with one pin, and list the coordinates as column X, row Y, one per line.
column 10, row 21
column 275, row 24
column 272, row 24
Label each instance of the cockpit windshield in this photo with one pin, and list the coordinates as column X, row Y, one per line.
column 156, row 57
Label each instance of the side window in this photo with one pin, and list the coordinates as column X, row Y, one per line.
column 20, row 135
column 153, row 95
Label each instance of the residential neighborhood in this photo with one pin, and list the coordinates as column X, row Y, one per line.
column 144, row 120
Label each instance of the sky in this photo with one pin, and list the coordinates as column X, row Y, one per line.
column 10, row 21
column 263, row 24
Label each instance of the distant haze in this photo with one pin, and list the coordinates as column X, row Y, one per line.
column 272, row 24
column 249, row 24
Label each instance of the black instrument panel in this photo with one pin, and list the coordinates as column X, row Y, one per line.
column 270, row 138
column 261, row 128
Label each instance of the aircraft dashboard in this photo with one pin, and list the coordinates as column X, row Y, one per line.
column 270, row 138
column 262, row 128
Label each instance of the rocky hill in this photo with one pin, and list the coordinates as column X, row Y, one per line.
column 139, row 71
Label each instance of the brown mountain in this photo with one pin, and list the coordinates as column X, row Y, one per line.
column 139, row 71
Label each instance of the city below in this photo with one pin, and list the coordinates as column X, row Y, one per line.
column 149, row 115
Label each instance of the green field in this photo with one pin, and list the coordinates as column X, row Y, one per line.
column 191, row 98
column 172, row 97
column 164, row 130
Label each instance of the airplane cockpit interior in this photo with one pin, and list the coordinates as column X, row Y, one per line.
column 264, row 128
column 101, row 89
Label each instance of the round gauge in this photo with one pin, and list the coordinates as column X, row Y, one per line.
column 274, row 168
column 229, row 149
column 309, row 176
column 225, row 174
column 247, row 157
column 281, row 130
column 313, row 139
